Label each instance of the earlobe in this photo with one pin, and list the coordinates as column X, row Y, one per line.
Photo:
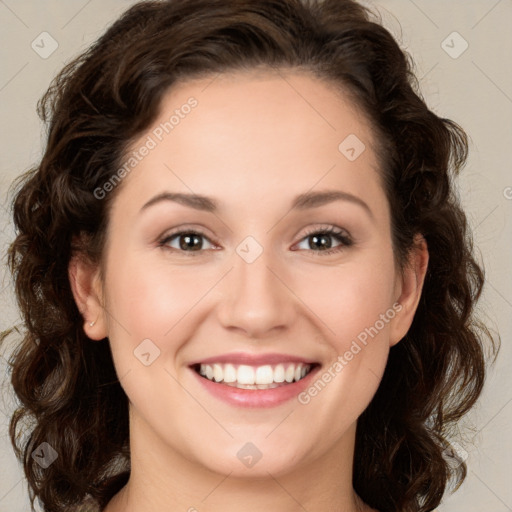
column 85, row 282
column 409, row 290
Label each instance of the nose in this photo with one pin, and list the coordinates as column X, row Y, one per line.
column 256, row 299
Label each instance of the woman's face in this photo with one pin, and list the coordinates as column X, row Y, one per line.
column 288, row 262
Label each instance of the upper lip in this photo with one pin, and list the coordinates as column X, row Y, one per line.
column 253, row 359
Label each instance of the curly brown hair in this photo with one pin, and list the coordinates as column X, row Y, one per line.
column 69, row 393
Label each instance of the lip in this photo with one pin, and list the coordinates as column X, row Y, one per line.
column 256, row 398
column 253, row 359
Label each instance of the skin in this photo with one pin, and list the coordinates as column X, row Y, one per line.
column 253, row 143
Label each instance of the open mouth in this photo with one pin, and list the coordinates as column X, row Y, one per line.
column 254, row 377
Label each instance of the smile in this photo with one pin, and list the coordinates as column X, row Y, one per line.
column 254, row 377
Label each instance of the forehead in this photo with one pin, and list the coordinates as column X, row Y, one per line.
column 266, row 102
column 248, row 134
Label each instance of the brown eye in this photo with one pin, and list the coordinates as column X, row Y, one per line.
column 185, row 241
column 326, row 241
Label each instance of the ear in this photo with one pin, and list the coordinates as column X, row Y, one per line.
column 408, row 289
column 85, row 281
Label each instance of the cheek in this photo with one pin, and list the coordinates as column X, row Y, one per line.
column 351, row 298
column 159, row 303
column 151, row 299
column 355, row 306
column 147, row 307
column 357, row 318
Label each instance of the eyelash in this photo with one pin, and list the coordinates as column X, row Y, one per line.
column 341, row 236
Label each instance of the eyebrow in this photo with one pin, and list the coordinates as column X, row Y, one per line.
column 301, row 202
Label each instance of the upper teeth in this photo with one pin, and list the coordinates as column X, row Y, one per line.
column 245, row 374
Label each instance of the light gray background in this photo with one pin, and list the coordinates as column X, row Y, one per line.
column 474, row 89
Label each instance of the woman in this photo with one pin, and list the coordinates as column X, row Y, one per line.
column 245, row 277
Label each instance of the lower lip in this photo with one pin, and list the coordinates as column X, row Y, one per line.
column 256, row 397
